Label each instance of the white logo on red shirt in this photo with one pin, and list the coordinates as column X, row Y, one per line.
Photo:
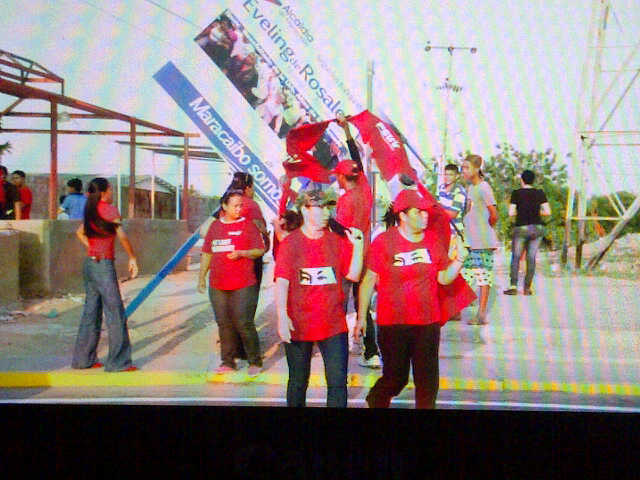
column 317, row 276
column 405, row 259
column 237, row 232
column 222, row 245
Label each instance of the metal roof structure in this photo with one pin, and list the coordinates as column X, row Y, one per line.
column 16, row 72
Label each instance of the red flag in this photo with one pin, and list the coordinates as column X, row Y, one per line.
column 302, row 163
column 386, row 146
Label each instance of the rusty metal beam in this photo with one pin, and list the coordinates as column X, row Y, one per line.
column 185, row 183
column 53, row 175
column 90, row 132
column 132, row 170
column 47, row 115
column 18, row 66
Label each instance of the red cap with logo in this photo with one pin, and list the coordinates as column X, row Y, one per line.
column 410, row 199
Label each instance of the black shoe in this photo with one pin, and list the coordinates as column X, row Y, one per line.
column 528, row 291
column 511, row 291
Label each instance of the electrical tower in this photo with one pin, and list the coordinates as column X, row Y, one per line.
column 591, row 132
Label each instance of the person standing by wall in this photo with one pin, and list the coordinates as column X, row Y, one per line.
column 312, row 264
column 26, row 197
column 527, row 206
column 75, row 201
column 409, row 263
column 230, row 246
column 9, row 198
column 101, row 226
column 479, row 222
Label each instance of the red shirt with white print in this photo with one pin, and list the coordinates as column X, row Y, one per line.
column 104, row 247
column 407, row 277
column 223, row 238
column 315, row 269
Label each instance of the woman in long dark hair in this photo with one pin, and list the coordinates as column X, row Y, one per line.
column 101, row 225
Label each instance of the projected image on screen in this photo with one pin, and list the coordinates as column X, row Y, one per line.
column 361, row 204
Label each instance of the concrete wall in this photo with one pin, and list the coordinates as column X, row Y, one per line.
column 9, row 267
column 50, row 255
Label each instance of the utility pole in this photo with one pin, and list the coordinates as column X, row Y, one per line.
column 448, row 87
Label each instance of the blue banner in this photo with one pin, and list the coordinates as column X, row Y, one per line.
column 219, row 134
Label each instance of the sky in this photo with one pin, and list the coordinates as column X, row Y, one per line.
column 521, row 87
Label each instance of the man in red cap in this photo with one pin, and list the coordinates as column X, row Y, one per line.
column 354, row 210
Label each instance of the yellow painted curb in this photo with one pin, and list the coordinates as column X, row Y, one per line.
column 354, row 380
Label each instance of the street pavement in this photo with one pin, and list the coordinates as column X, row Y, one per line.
column 574, row 345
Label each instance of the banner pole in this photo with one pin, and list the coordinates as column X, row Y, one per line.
column 370, row 176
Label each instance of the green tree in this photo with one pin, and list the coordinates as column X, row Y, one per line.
column 502, row 171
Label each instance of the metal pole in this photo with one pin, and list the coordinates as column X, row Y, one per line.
column 370, row 175
column 53, row 177
column 132, row 171
column 443, row 159
column 119, row 184
column 153, row 185
column 185, row 195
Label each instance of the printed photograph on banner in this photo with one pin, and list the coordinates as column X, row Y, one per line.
column 280, row 105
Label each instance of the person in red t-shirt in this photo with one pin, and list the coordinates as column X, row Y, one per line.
column 354, row 210
column 98, row 232
column 312, row 263
column 230, row 246
column 26, row 197
column 408, row 263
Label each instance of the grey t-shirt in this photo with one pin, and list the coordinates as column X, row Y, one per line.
column 478, row 232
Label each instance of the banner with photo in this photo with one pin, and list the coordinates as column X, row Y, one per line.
column 267, row 59
column 221, row 136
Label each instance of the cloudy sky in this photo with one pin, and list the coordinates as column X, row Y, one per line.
column 522, row 85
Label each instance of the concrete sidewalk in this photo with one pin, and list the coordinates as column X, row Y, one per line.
column 576, row 335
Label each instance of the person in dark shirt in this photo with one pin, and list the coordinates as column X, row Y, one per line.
column 527, row 205
column 10, row 207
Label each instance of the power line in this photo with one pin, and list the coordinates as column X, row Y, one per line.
column 136, row 27
column 177, row 15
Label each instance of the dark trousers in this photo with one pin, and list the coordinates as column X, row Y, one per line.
column 403, row 346
column 234, row 310
column 257, row 269
column 369, row 341
column 525, row 237
column 103, row 295
column 335, row 354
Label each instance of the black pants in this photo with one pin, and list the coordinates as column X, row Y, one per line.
column 234, row 311
column 403, row 346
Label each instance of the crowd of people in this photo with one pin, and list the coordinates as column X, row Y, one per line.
column 324, row 255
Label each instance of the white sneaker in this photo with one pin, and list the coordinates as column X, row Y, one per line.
column 373, row 362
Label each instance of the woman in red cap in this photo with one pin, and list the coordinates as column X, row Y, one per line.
column 312, row 264
column 410, row 264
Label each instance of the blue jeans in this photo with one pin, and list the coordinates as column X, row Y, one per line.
column 335, row 354
column 103, row 295
column 525, row 237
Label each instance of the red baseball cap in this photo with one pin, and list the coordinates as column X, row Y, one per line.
column 410, row 199
column 346, row 167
